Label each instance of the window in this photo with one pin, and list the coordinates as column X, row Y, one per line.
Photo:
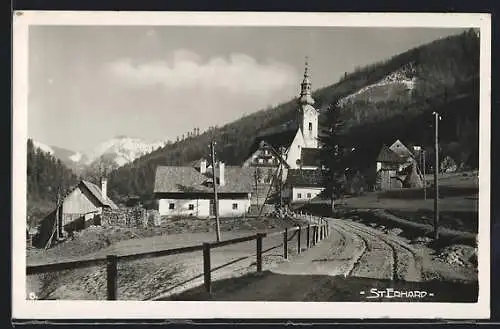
column 171, row 206
column 310, row 126
column 261, row 160
column 299, row 195
column 191, row 206
column 235, row 206
column 308, row 195
column 270, row 160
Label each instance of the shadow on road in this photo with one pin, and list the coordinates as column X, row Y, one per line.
column 268, row 286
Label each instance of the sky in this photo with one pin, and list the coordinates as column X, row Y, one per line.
column 88, row 84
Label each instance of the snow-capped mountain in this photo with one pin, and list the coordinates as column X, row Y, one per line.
column 122, row 150
column 108, row 155
column 73, row 160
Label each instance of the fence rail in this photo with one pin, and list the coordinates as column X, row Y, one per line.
column 316, row 230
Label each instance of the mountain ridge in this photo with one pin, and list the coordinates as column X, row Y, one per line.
column 444, row 69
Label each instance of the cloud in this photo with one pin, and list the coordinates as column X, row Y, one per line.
column 237, row 74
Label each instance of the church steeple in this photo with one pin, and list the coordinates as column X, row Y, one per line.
column 305, row 87
column 307, row 114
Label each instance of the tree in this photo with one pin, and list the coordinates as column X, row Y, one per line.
column 334, row 154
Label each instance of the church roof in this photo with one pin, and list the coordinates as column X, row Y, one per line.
column 305, row 178
column 310, row 156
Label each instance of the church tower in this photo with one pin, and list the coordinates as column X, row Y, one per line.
column 307, row 114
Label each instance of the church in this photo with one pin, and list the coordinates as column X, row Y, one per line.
column 292, row 152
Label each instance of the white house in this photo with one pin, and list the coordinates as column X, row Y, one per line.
column 188, row 190
column 303, row 185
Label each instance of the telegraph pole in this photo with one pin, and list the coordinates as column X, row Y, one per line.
column 425, row 180
column 282, row 151
column 216, row 202
column 436, row 173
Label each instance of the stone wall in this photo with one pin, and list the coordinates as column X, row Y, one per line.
column 130, row 217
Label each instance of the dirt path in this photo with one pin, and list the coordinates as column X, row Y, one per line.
column 352, row 260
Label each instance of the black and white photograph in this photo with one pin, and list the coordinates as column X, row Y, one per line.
column 228, row 158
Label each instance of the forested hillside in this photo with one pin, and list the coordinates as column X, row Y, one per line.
column 446, row 76
column 46, row 176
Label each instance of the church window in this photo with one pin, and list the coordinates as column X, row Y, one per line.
column 310, row 126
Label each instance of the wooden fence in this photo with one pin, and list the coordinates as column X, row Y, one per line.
column 316, row 230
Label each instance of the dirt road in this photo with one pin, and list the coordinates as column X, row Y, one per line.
column 346, row 266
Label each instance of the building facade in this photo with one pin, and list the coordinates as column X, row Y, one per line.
column 187, row 191
column 81, row 207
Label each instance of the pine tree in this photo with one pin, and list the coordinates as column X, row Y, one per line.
column 334, row 155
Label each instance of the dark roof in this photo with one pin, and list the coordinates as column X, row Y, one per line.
column 388, row 156
column 305, row 178
column 275, row 140
column 97, row 193
column 310, row 156
column 178, row 179
column 399, row 148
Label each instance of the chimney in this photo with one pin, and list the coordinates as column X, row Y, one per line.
column 222, row 179
column 104, row 187
column 203, row 166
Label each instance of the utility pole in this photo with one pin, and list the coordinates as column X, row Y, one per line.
column 425, row 180
column 216, row 202
column 436, row 173
column 282, row 152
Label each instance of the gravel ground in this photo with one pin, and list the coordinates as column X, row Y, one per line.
column 146, row 279
column 344, row 267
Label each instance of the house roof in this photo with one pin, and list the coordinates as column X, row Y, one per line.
column 305, row 178
column 276, row 140
column 97, row 193
column 310, row 156
column 388, row 156
column 400, row 149
column 178, row 179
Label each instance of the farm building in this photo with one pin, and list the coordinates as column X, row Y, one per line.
column 303, row 185
column 188, row 190
column 396, row 167
column 79, row 208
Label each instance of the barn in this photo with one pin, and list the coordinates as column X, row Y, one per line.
column 81, row 207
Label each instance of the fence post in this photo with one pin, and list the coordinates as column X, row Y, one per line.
column 299, row 231
column 285, row 244
column 316, row 235
column 111, row 275
column 259, row 252
column 207, row 268
column 308, row 245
